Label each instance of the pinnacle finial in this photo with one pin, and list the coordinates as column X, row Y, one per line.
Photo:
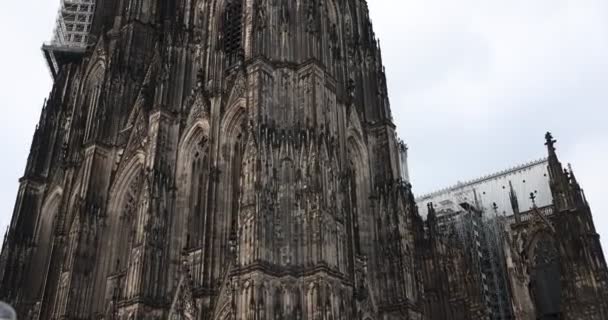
column 573, row 179
column 533, row 198
column 571, row 171
column 550, row 141
column 431, row 210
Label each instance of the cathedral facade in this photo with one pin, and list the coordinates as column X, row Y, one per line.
column 237, row 160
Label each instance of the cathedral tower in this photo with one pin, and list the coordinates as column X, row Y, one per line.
column 216, row 159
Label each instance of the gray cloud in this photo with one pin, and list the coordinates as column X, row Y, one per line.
column 475, row 84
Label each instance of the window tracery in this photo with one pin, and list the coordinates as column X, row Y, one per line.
column 91, row 102
column 128, row 214
column 545, row 285
column 232, row 27
column 198, row 190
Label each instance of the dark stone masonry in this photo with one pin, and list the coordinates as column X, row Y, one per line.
column 237, row 160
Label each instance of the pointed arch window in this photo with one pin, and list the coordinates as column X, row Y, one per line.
column 545, row 285
column 198, row 195
column 91, row 101
column 236, row 169
column 131, row 202
column 233, row 31
column 44, row 241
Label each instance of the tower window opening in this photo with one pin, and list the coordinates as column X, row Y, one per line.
column 233, row 25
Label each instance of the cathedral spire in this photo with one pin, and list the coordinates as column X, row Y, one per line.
column 432, row 219
column 559, row 180
column 577, row 194
column 550, row 143
column 556, row 170
column 573, row 180
column 514, row 202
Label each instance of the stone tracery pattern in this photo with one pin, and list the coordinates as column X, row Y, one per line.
column 227, row 159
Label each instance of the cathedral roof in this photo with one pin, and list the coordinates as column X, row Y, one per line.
column 495, row 188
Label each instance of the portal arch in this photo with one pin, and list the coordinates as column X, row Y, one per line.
column 91, row 93
column 118, row 236
column 545, row 274
column 44, row 231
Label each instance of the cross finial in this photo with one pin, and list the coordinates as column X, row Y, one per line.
column 550, row 141
column 533, row 198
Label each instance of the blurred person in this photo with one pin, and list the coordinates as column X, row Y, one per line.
column 7, row 312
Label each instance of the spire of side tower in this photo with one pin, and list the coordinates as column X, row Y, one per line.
column 514, row 202
column 559, row 181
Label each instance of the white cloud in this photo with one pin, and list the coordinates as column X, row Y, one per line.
column 475, row 84
column 25, row 82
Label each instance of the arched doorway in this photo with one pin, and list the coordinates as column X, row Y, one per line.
column 44, row 243
column 545, row 285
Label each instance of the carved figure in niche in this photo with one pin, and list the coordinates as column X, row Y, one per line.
column 311, row 19
column 351, row 89
column 333, row 41
column 284, row 17
column 261, row 16
column 200, row 15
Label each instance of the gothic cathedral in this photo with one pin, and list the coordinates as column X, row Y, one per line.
column 227, row 160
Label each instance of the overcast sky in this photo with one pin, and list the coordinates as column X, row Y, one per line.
column 474, row 85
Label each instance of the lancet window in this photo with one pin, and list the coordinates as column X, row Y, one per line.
column 233, row 31
column 545, row 284
column 93, row 92
column 128, row 214
column 237, row 163
column 198, row 195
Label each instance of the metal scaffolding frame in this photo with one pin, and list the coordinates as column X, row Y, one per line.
column 71, row 34
column 73, row 23
column 481, row 234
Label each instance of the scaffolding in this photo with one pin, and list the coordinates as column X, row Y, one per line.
column 71, row 34
column 73, row 23
column 481, row 235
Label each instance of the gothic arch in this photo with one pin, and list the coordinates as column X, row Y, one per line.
column 193, row 181
column 48, row 211
column 96, row 69
column 189, row 225
column 233, row 137
column 333, row 30
column 225, row 313
column 45, row 227
column 197, row 130
column 225, row 14
column 74, row 194
column 332, row 12
column 123, row 202
column 360, row 189
column 98, row 57
column 545, row 274
column 233, row 121
column 90, row 95
column 125, row 172
column 123, row 207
